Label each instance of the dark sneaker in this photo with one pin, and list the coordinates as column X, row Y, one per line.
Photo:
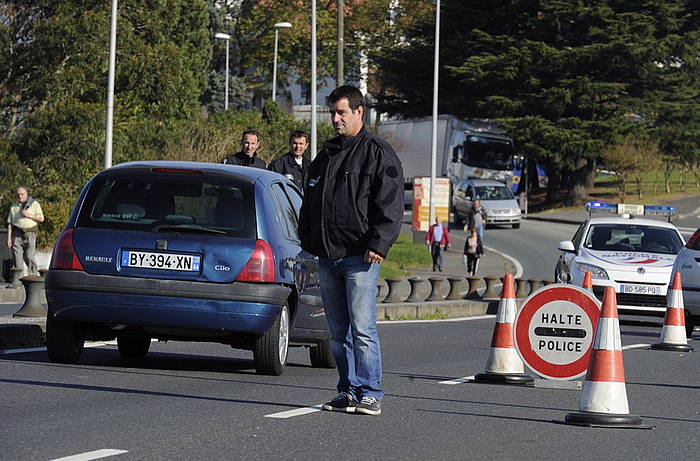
column 341, row 402
column 369, row 406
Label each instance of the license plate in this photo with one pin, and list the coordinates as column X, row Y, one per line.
column 167, row 261
column 640, row 289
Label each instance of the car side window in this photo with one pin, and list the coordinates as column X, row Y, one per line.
column 576, row 239
column 286, row 213
column 295, row 196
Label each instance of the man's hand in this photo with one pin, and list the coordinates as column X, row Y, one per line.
column 372, row 257
column 9, row 243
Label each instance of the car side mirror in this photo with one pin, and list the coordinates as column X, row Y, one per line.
column 568, row 246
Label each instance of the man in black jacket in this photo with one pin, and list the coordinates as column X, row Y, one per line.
column 250, row 141
column 293, row 165
column 351, row 216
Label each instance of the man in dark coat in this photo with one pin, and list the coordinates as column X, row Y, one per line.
column 293, row 165
column 250, row 141
column 350, row 218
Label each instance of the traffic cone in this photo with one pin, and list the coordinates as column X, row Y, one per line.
column 588, row 282
column 673, row 336
column 504, row 365
column 604, row 397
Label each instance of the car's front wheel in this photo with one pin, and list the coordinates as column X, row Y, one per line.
column 133, row 346
column 64, row 340
column 321, row 355
column 270, row 350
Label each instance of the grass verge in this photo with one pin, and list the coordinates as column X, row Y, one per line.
column 405, row 255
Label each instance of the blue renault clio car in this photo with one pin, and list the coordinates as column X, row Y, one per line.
column 186, row 251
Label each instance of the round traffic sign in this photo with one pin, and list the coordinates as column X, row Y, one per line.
column 554, row 331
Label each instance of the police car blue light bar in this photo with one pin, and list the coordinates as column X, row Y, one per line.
column 631, row 209
column 593, row 207
column 658, row 210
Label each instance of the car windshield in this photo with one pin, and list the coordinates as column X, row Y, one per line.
column 170, row 202
column 485, row 152
column 633, row 237
column 493, row 193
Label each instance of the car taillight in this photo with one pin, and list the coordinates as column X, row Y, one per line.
column 693, row 240
column 64, row 255
column 261, row 265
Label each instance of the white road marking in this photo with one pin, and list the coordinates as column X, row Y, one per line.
column 451, row 382
column 695, row 212
column 97, row 454
column 456, row 319
column 297, row 412
column 634, row 346
column 516, row 263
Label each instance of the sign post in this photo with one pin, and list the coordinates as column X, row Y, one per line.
column 554, row 331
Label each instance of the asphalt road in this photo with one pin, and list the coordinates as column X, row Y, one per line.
column 534, row 245
column 199, row 401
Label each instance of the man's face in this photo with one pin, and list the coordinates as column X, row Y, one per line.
column 250, row 144
column 299, row 146
column 477, row 204
column 22, row 195
column 347, row 123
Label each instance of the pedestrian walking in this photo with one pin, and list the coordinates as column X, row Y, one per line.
column 22, row 227
column 248, row 155
column 293, row 165
column 350, row 217
column 477, row 219
column 437, row 238
column 473, row 250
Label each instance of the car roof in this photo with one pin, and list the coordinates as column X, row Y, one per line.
column 631, row 221
column 217, row 169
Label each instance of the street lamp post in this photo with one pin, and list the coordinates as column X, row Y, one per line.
column 226, row 37
column 278, row 26
column 436, row 73
column 110, row 86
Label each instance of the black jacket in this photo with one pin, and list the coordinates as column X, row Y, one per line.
column 353, row 198
column 241, row 158
column 288, row 166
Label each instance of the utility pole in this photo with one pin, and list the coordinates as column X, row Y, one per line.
column 339, row 78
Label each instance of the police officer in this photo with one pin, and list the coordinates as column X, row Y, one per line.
column 293, row 165
column 250, row 141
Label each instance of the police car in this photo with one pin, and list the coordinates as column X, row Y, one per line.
column 621, row 249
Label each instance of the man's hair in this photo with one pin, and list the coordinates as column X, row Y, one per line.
column 299, row 134
column 352, row 94
column 253, row 132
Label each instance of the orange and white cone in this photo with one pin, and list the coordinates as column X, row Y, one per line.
column 588, row 282
column 504, row 365
column 604, row 397
column 673, row 335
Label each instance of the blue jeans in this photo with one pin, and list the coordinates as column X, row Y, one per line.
column 349, row 292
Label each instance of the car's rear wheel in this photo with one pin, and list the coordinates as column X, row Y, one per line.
column 133, row 346
column 270, row 350
column 64, row 340
column 321, row 355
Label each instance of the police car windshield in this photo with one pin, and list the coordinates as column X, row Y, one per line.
column 633, row 237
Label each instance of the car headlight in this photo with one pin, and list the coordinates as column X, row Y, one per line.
column 596, row 272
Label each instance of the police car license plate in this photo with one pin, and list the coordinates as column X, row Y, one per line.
column 167, row 261
column 640, row 289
